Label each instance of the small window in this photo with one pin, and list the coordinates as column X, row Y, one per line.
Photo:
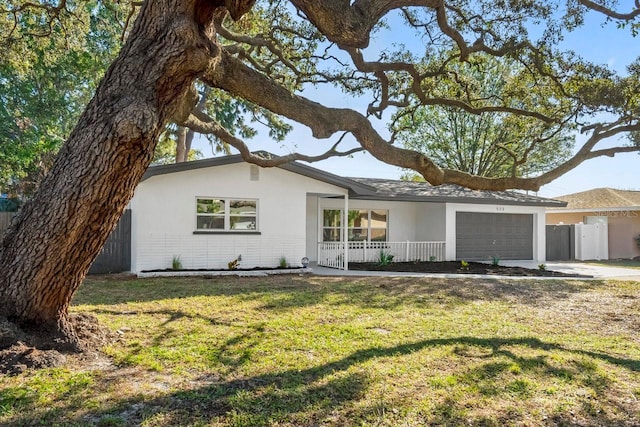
column 226, row 214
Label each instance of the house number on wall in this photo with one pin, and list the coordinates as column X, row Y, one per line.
column 500, row 209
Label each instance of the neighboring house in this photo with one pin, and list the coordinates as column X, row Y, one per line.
column 209, row 212
column 619, row 209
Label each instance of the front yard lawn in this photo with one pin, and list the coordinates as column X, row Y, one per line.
column 326, row 351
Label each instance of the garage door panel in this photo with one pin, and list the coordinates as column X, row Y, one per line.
column 480, row 236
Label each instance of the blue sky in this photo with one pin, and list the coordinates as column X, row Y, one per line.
column 595, row 42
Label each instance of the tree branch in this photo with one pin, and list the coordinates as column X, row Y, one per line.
column 349, row 25
column 610, row 12
column 611, row 152
column 204, row 124
column 235, row 77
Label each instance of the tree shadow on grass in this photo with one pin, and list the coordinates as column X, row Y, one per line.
column 285, row 293
column 232, row 353
column 326, row 393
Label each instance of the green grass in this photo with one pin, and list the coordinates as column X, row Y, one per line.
column 306, row 351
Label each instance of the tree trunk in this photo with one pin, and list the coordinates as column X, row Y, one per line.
column 47, row 252
column 181, row 144
column 187, row 144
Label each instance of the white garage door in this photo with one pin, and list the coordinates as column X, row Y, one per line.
column 480, row 236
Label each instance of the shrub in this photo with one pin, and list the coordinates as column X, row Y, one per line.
column 495, row 260
column 384, row 258
column 542, row 267
column 176, row 263
column 464, row 265
column 283, row 262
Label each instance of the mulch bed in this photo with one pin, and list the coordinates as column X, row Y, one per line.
column 454, row 267
column 162, row 270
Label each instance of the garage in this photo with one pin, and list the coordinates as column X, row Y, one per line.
column 480, row 236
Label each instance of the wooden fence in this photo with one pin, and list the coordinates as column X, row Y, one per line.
column 5, row 221
column 115, row 256
column 561, row 242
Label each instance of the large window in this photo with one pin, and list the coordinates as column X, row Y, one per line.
column 226, row 214
column 364, row 224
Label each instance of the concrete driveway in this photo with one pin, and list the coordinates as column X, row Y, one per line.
column 576, row 267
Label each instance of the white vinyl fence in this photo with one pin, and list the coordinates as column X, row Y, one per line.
column 331, row 254
column 592, row 241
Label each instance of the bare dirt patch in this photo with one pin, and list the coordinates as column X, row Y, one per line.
column 33, row 348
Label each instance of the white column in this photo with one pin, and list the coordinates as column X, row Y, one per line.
column 450, row 233
column 539, row 237
column 345, row 231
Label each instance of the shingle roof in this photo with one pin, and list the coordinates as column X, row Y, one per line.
column 387, row 189
column 600, row 198
column 376, row 189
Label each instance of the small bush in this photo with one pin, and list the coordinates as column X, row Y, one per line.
column 542, row 267
column 176, row 263
column 283, row 262
column 495, row 260
column 384, row 258
column 233, row 265
column 464, row 265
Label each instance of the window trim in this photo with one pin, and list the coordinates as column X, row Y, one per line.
column 227, row 216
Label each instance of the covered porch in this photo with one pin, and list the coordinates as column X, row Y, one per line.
column 343, row 230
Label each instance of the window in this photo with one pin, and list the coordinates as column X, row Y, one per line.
column 363, row 224
column 226, row 214
column 332, row 220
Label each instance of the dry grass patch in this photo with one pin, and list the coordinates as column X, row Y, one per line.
column 293, row 351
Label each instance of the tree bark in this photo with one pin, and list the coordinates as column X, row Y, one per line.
column 181, row 144
column 47, row 252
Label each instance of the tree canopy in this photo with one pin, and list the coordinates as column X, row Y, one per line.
column 48, row 73
column 553, row 93
column 52, row 59
column 407, row 58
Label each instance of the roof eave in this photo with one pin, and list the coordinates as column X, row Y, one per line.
column 354, row 187
column 601, row 209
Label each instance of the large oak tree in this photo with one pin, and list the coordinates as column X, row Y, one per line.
column 174, row 43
